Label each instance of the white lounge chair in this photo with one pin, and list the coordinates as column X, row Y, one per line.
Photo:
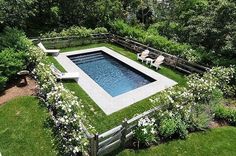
column 61, row 75
column 142, row 56
column 156, row 63
column 52, row 51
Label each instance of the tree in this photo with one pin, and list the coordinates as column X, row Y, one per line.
column 15, row 12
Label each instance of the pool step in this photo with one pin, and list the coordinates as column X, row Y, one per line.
column 87, row 58
column 88, row 54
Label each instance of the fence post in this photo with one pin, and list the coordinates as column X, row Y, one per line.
column 94, row 145
column 124, row 132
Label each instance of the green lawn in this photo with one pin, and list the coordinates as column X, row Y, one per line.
column 219, row 141
column 100, row 120
column 23, row 130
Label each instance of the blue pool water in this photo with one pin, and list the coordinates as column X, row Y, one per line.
column 114, row 76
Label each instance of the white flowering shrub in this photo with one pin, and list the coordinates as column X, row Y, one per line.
column 202, row 88
column 146, row 131
column 226, row 79
column 191, row 55
column 66, row 109
column 190, row 108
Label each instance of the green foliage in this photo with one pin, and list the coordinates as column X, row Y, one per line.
column 208, row 25
column 170, row 30
column 167, row 127
column 3, row 81
column 11, row 62
column 15, row 13
column 226, row 113
column 14, row 38
column 155, row 40
column 13, row 48
column 81, row 32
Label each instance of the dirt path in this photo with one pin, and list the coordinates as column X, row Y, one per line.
column 14, row 91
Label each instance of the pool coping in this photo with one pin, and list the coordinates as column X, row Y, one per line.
column 104, row 100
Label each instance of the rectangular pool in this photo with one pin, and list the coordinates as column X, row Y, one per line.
column 114, row 76
column 112, row 80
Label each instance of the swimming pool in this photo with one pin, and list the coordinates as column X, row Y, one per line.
column 114, row 76
column 112, row 80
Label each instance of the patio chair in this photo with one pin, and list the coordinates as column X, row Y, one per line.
column 142, row 56
column 156, row 63
column 52, row 51
column 61, row 75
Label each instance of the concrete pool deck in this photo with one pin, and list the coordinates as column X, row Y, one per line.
column 104, row 100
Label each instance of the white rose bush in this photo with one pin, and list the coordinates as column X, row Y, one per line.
column 146, row 133
column 65, row 108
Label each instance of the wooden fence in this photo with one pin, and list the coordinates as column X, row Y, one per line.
column 170, row 60
column 101, row 144
column 72, row 41
column 131, row 44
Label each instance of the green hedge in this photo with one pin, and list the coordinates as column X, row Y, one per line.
column 75, row 31
column 15, row 39
column 156, row 41
column 11, row 62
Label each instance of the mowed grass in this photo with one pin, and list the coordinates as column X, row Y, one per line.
column 215, row 142
column 97, row 117
column 23, row 130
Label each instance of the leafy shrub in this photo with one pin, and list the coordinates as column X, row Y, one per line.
column 225, row 113
column 168, row 29
column 75, row 31
column 156, row 40
column 172, row 126
column 146, row 132
column 11, row 62
column 3, row 81
column 15, row 39
column 167, row 127
column 226, row 79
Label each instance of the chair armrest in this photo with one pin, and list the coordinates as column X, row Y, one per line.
column 139, row 54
